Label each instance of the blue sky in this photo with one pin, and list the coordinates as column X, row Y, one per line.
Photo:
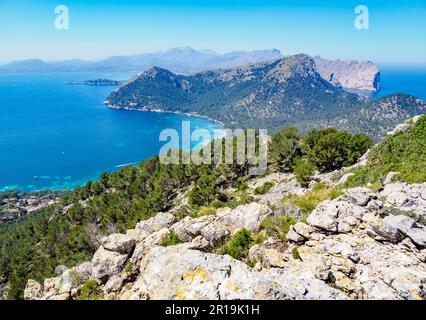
column 98, row 29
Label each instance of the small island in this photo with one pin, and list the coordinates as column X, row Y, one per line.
column 98, row 82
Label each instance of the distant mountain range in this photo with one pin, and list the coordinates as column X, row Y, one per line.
column 282, row 92
column 180, row 60
column 348, row 74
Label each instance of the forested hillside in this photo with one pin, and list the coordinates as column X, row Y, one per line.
column 272, row 95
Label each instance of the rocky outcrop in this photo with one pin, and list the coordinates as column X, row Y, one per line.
column 350, row 74
column 362, row 245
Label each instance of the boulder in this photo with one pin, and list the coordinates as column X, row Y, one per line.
column 215, row 233
column 396, row 195
column 154, row 239
column 292, row 235
column 121, row 243
column 189, row 228
column 408, row 227
column 114, row 284
column 269, row 256
column 107, row 263
column 303, row 229
column 33, row 290
column 248, row 216
column 360, row 195
column 336, row 216
column 159, row 221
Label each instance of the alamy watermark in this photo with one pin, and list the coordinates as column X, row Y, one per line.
column 62, row 19
column 223, row 146
column 362, row 20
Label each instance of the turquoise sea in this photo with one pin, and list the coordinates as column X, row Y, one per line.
column 59, row 136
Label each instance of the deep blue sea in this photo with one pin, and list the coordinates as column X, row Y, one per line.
column 59, row 136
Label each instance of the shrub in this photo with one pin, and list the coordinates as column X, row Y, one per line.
column 295, row 254
column 170, row 239
column 304, row 170
column 204, row 191
column 403, row 152
column 264, row 188
column 284, row 149
column 330, row 149
column 128, row 269
column 90, row 291
column 237, row 247
column 206, row 211
column 278, row 225
column 241, row 186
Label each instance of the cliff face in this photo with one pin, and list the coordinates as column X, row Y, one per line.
column 363, row 76
column 361, row 243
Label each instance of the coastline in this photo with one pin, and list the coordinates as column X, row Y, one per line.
column 191, row 114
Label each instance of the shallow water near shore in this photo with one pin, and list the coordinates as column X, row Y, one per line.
column 54, row 135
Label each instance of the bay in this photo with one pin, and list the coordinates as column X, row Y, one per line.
column 54, row 135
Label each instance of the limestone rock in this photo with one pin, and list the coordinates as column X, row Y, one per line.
column 33, row 290
column 303, row 229
column 146, row 227
column 248, row 216
column 336, row 215
column 195, row 275
column 408, row 227
column 360, row 196
column 292, row 235
column 121, row 243
column 107, row 263
column 268, row 256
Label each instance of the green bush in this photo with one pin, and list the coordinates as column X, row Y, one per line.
column 204, row 191
column 284, row 148
column 330, row 149
column 90, row 291
column 304, row 171
column 277, row 226
column 264, row 188
column 239, row 244
column 295, row 254
column 403, row 152
column 170, row 239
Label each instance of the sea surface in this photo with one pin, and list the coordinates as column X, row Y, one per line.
column 399, row 79
column 54, row 135
column 59, row 136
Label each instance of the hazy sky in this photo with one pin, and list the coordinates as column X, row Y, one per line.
column 396, row 34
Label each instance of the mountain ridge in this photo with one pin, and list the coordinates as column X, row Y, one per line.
column 270, row 95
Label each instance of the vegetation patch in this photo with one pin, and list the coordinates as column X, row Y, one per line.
column 295, row 254
column 239, row 244
column 277, row 226
column 90, row 291
column 264, row 188
column 310, row 200
column 170, row 239
column 403, row 152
